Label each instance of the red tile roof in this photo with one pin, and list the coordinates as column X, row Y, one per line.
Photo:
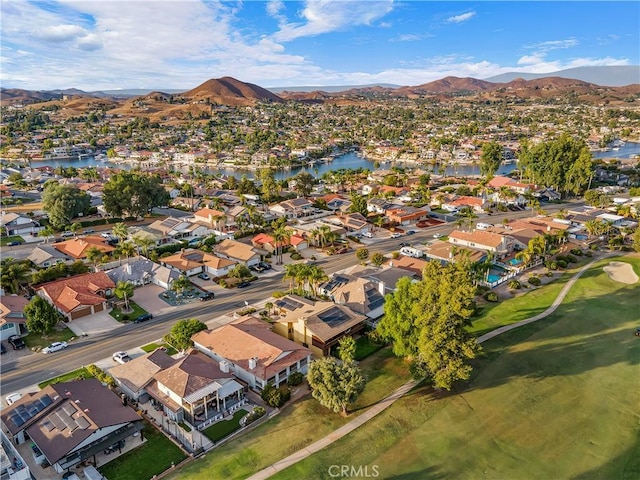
column 82, row 290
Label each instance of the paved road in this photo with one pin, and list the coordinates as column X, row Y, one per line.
column 33, row 368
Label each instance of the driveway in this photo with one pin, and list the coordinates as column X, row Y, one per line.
column 148, row 298
column 94, row 324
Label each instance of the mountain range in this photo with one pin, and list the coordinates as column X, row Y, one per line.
column 232, row 92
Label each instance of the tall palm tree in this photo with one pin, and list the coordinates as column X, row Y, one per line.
column 143, row 243
column 75, row 227
column 323, row 233
column 124, row 290
column 281, row 237
column 316, row 277
column 291, row 273
column 13, row 276
column 180, row 284
column 126, row 249
column 120, row 231
column 94, row 255
column 46, row 233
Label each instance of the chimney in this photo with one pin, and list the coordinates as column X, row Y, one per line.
column 224, row 366
column 253, row 362
column 381, row 287
column 128, row 269
column 123, row 397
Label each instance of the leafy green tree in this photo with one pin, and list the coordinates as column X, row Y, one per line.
column 133, row 194
column 46, row 233
column 362, row 254
column 426, row 322
column 490, row 158
column 347, row 349
column 240, row 271
column 335, row 385
column 377, row 259
column 124, row 291
column 94, row 255
column 42, row 317
column 180, row 334
column 304, row 183
column 636, row 240
column 75, row 228
column 63, row 203
column 358, row 204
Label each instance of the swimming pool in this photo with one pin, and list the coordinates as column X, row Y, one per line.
column 493, row 278
column 515, row 261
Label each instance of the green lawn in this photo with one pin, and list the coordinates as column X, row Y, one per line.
column 34, row 340
column 154, row 346
column 365, row 347
column 154, row 457
column 65, row 377
column 223, row 428
column 554, row 399
column 137, row 311
column 12, row 238
column 297, row 426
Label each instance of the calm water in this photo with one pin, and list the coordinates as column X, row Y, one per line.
column 348, row 160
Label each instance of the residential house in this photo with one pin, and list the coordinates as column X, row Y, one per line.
column 412, row 265
column 68, row 423
column 378, row 205
column 134, row 375
column 194, row 389
column 141, row 271
column 80, row 295
column 445, row 252
column 16, row 224
column 238, row 251
column 253, row 352
column 294, row 208
column 77, row 248
column 215, row 219
column 499, row 181
column 464, row 201
column 266, row 242
column 43, row 256
column 355, row 223
column 386, row 277
column 406, row 215
column 187, row 202
column 188, row 261
column 12, row 319
column 172, row 229
column 498, row 244
column 361, row 295
column 318, row 326
column 336, row 202
column 370, row 188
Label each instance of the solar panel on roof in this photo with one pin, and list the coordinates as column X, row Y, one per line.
column 288, row 304
column 82, row 423
column 333, row 316
column 25, row 412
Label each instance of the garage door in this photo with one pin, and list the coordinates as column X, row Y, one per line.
column 81, row 313
column 98, row 308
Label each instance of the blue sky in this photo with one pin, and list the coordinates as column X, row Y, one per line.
column 110, row 44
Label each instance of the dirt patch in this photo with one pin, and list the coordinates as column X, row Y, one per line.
column 621, row 272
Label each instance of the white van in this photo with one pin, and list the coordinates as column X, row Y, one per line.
column 483, row 226
column 367, row 234
column 411, row 252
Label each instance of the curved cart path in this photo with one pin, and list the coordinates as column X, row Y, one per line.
column 390, row 400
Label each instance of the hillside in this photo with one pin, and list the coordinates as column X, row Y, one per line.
column 229, row 91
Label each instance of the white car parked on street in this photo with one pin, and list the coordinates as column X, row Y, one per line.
column 13, row 398
column 54, row 347
column 121, row 357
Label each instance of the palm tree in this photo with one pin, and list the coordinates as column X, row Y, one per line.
column 291, row 274
column 126, row 249
column 323, row 232
column 75, row 227
column 313, row 236
column 316, row 277
column 593, row 228
column 180, row 284
column 281, row 237
column 124, row 290
column 144, row 243
column 94, row 255
column 13, row 276
column 120, row 231
column 46, row 233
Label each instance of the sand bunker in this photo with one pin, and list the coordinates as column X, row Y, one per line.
column 621, row 272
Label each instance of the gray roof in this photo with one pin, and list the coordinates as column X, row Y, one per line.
column 137, row 268
column 42, row 253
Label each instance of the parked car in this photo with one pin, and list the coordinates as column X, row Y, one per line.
column 66, row 234
column 13, row 398
column 404, row 244
column 16, row 342
column 204, row 276
column 55, row 347
column 143, row 318
column 89, row 230
column 207, row 296
column 243, row 284
column 121, row 357
column 437, row 235
column 265, row 265
column 3, row 349
column 367, row 234
column 13, row 244
column 410, row 232
column 396, row 235
column 105, row 235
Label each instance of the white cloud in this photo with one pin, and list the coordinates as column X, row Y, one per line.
column 553, row 45
column 461, row 18
column 60, row 33
column 324, row 16
column 410, row 37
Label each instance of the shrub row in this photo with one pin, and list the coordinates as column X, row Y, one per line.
column 275, row 397
column 255, row 414
column 101, row 375
column 491, row 297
